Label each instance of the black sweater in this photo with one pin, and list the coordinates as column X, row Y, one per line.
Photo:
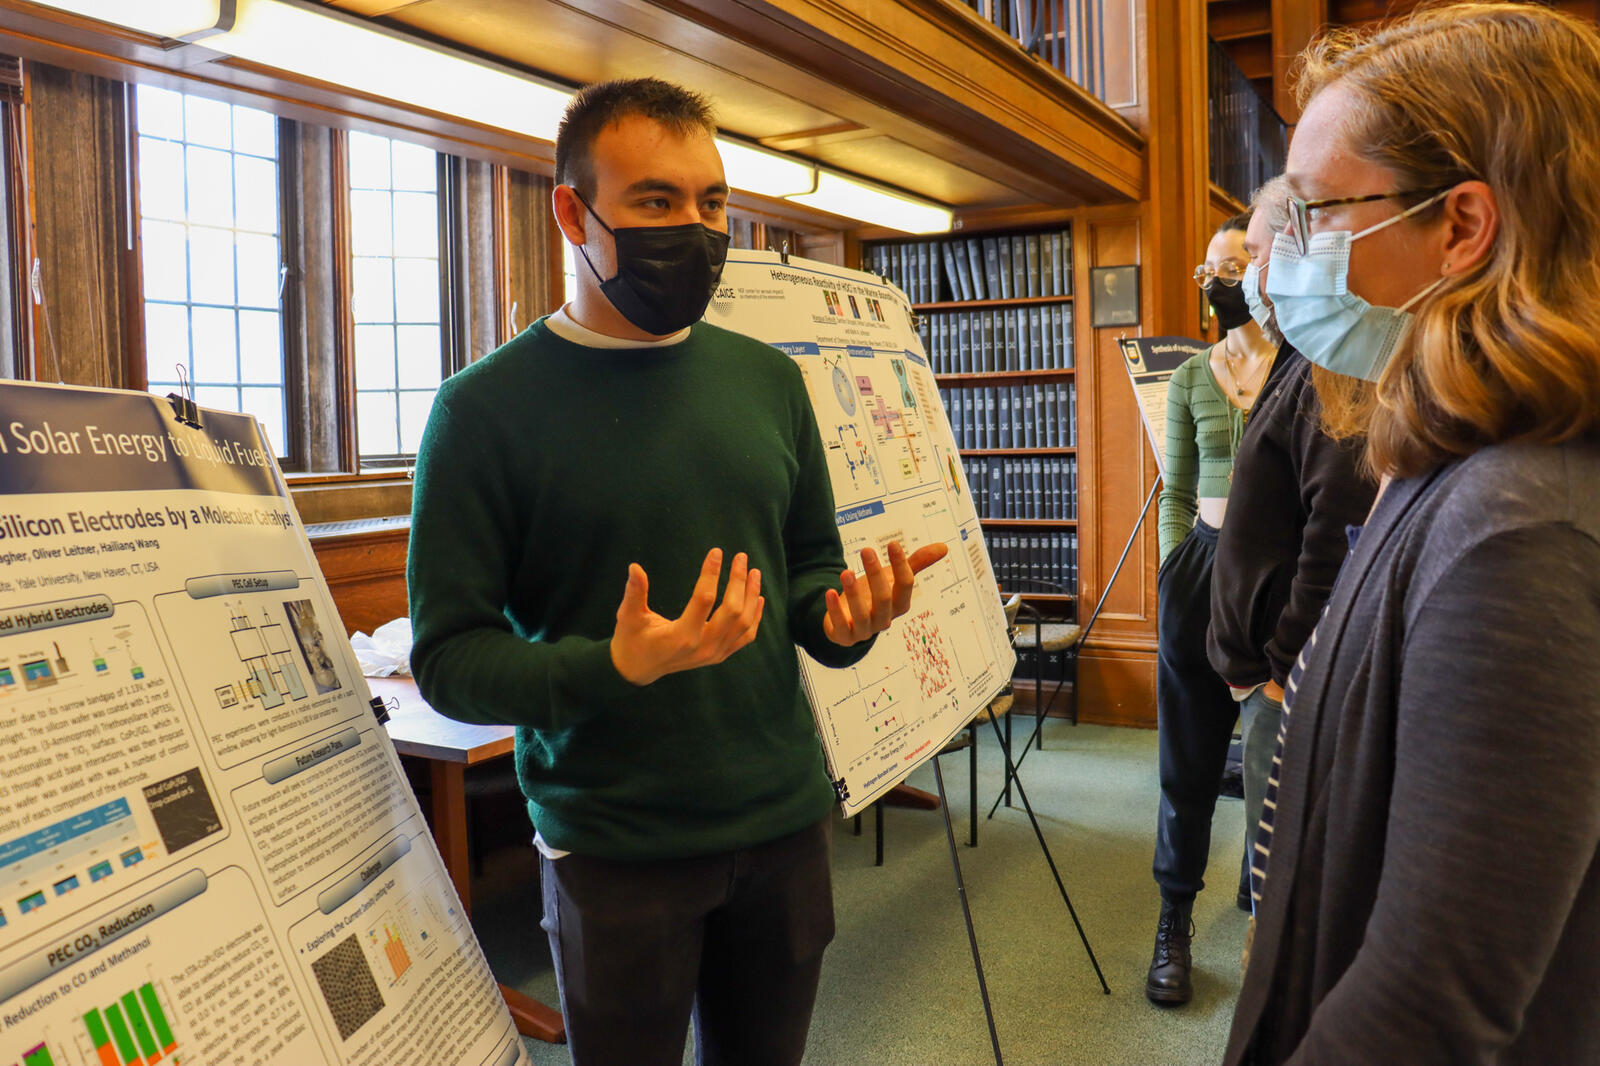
column 1295, row 489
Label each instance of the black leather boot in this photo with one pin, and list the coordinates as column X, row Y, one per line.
column 1168, row 982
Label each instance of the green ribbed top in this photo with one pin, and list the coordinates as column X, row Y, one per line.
column 1203, row 431
column 547, row 468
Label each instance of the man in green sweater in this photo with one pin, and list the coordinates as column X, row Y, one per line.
column 582, row 495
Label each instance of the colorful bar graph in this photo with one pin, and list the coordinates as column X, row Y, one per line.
column 141, row 1030
column 158, row 1018
column 395, row 949
column 100, row 1039
column 39, row 1056
column 123, row 1038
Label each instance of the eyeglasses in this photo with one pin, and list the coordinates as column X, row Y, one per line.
column 1229, row 272
column 1299, row 228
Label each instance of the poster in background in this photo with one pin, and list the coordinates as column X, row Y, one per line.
column 896, row 475
column 208, row 849
column 1151, row 362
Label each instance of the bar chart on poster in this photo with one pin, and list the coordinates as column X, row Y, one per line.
column 208, row 850
column 897, row 476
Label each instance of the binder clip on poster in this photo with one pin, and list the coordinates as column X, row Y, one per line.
column 183, row 405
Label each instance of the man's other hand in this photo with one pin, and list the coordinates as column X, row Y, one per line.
column 877, row 596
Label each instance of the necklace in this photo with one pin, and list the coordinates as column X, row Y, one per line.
column 1228, row 360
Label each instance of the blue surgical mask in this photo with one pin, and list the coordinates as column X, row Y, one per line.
column 1330, row 325
column 1251, row 285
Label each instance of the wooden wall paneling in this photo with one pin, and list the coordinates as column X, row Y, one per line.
column 79, row 210
column 342, row 499
column 1124, row 58
column 1115, row 472
column 1294, row 24
column 366, row 575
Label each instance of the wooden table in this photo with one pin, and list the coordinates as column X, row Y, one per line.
column 450, row 747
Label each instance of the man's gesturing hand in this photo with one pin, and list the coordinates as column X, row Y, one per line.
column 646, row 646
column 874, row 598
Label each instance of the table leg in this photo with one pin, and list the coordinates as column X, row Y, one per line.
column 450, row 836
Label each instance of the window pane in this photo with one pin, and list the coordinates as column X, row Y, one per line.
column 166, row 261
column 210, row 265
column 210, row 187
column 160, row 179
column 166, row 339
column 215, row 338
column 415, row 168
column 376, row 423
column 414, row 407
column 260, row 348
column 160, row 112
column 375, row 357
column 207, row 122
column 214, row 165
column 258, row 270
column 255, row 132
column 369, row 161
column 257, row 184
column 373, row 290
column 266, row 407
column 416, row 224
column 416, row 290
column 371, row 229
column 419, row 357
column 220, row 397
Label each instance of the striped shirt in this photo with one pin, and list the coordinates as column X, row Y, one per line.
column 1269, row 801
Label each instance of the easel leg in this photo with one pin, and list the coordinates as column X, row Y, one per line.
column 966, row 912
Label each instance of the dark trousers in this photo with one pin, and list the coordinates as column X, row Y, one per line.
column 734, row 941
column 1195, row 717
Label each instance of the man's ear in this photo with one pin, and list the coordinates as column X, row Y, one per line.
column 570, row 213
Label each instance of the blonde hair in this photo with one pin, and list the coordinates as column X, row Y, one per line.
column 1507, row 94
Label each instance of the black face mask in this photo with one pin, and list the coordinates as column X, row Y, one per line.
column 1229, row 303
column 665, row 274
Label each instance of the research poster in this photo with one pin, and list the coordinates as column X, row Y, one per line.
column 208, row 850
column 1151, row 362
column 897, row 475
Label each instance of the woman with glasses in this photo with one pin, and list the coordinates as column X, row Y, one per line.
column 1208, row 400
column 1432, row 879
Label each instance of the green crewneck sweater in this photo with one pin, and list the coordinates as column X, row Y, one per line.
column 546, row 468
column 1203, row 431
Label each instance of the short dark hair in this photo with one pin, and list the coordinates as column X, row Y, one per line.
column 594, row 107
column 1241, row 222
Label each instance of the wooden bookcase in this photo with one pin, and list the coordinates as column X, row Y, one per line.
column 995, row 311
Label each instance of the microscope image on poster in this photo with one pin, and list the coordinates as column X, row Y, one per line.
column 308, row 631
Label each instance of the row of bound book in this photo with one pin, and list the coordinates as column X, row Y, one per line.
column 1027, row 486
column 1036, row 337
column 1039, row 414
column 1004, row 267
column 1034, row 562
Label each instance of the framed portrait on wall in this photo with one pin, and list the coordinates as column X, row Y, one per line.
column 1114, row 296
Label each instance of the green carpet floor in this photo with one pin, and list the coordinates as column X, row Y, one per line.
column 898, row 986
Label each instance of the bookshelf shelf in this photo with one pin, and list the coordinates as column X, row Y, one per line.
column 980, row 305
column 1041, row 523
column 1040, row 597
column 1004, row 375
column 980, row 452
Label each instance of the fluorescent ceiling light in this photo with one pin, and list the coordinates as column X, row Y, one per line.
column 873, row 203
column 760, row 171
column 327, row 45
column 346, row 51
column 163, row 18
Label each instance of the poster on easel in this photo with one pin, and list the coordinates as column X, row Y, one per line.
column 208, row 849
column 897, row 475
column 1150, row 363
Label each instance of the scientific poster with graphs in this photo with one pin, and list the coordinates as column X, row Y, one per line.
column 1151, row 362
column 897, row 475
column 208, row 850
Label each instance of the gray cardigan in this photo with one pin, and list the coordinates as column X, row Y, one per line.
column 1433, row 891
